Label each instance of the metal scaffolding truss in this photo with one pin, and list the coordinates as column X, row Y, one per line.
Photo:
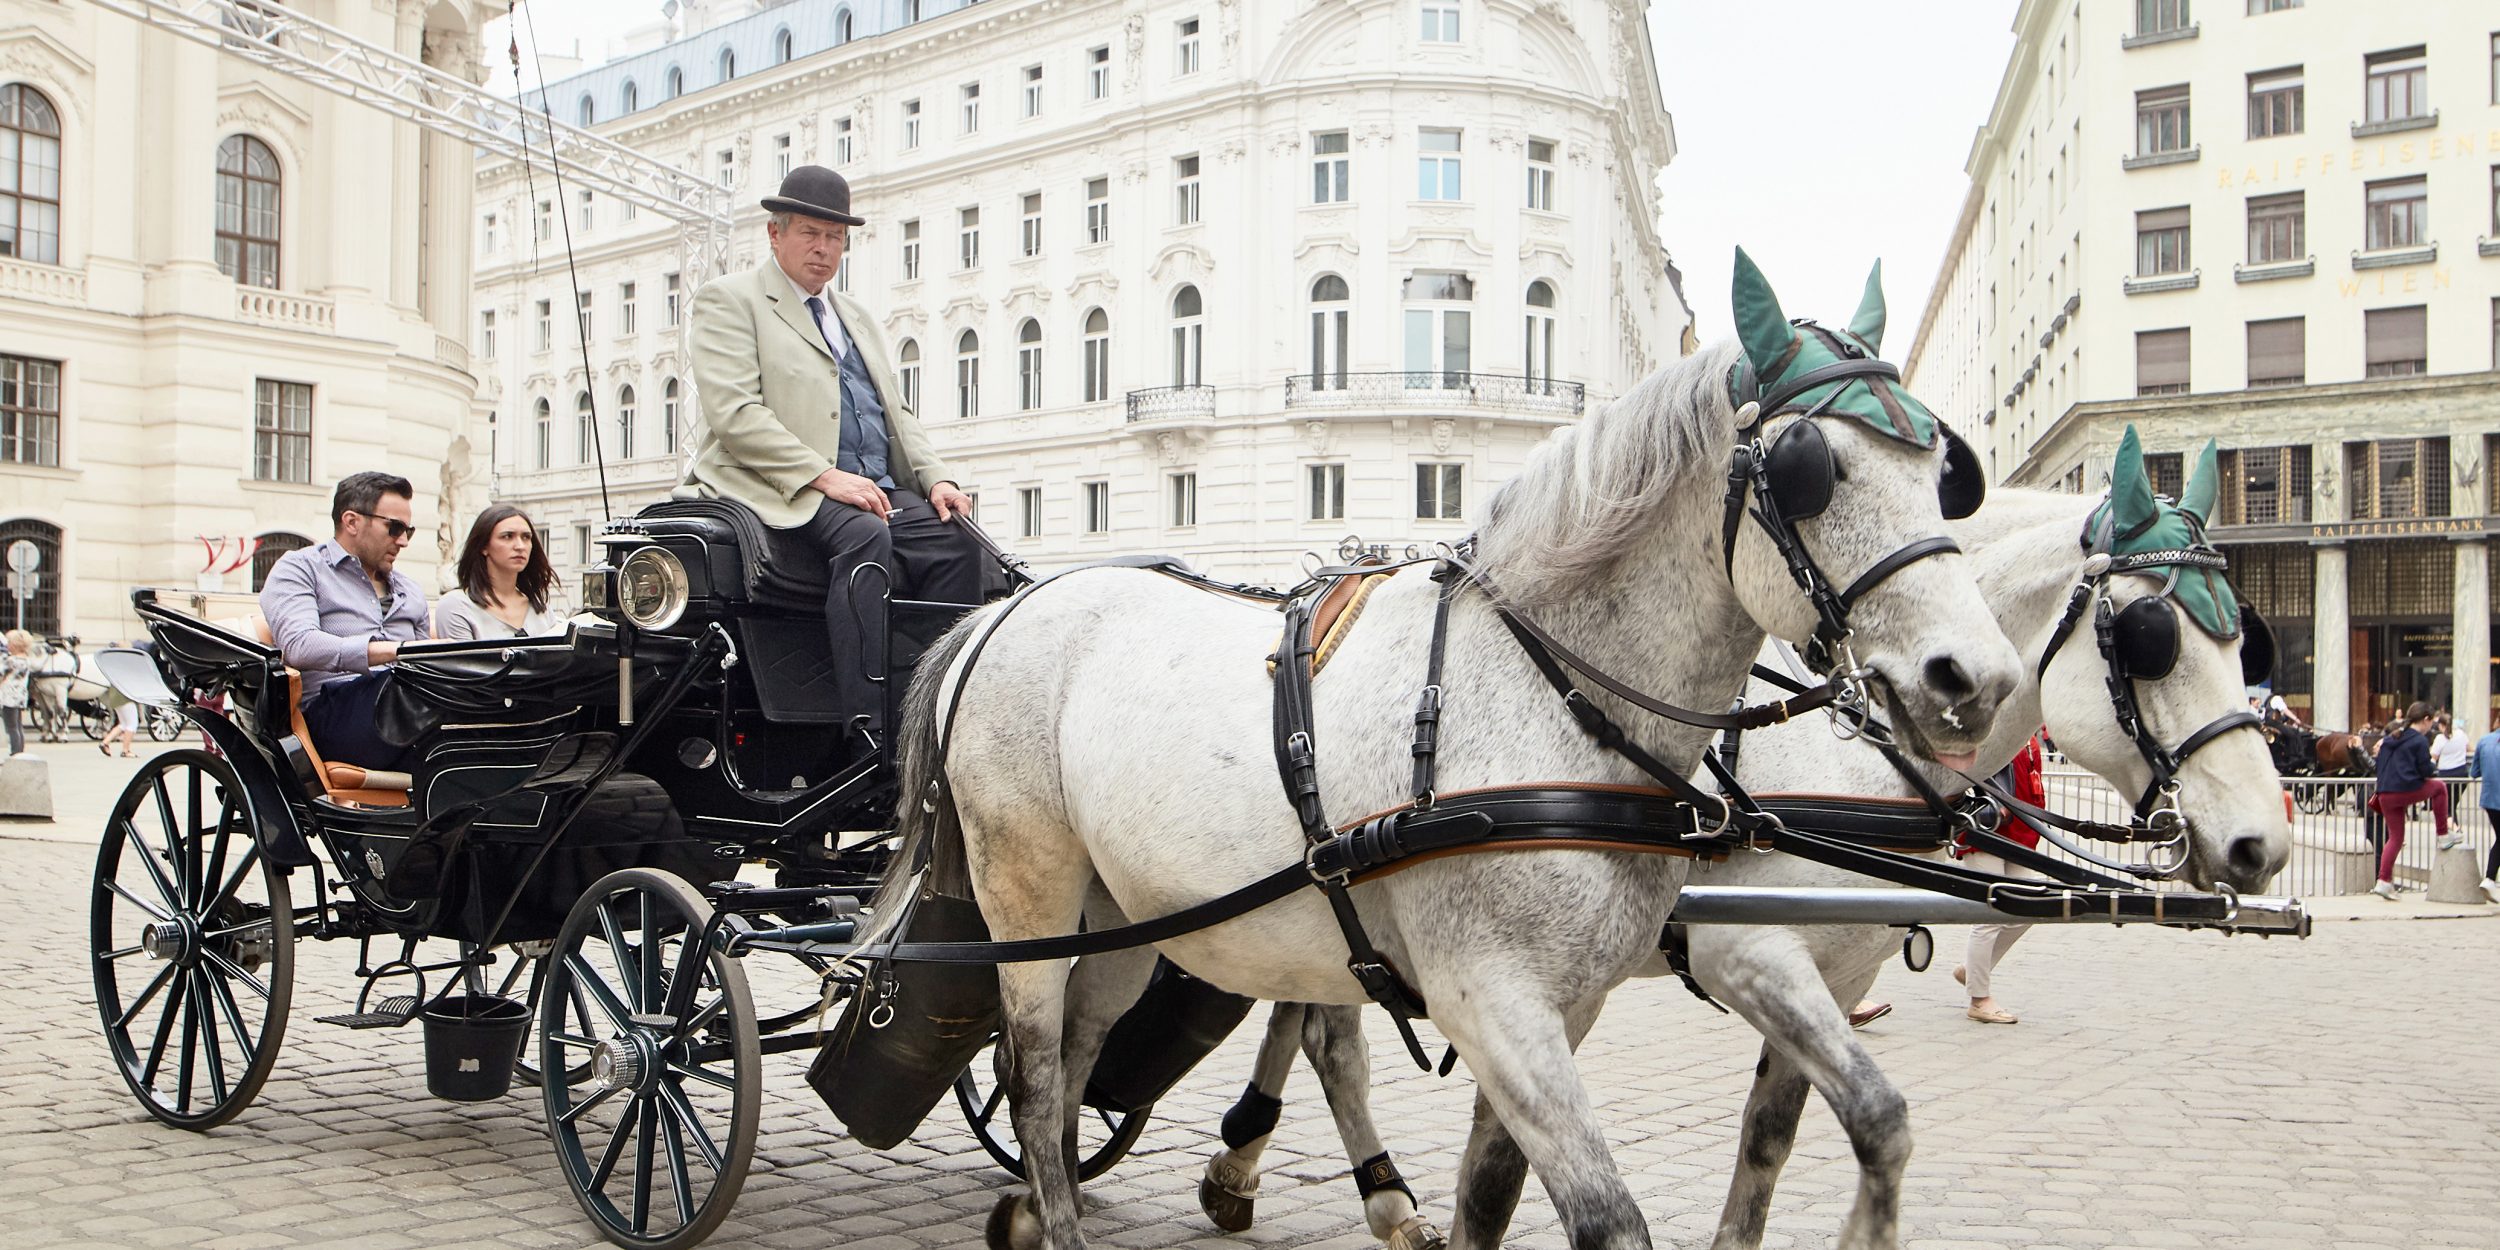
column 287, row 42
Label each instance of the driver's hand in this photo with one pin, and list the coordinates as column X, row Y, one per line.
column 949, row 502
column 852, row 489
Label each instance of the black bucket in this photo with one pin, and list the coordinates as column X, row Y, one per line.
column 471, row 1041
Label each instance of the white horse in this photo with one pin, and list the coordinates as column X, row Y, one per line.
column 1114, row 738
column 1794, row 984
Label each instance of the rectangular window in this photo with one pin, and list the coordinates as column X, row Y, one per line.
column 2154, row 17
column 911, row 124
column 1327, row 483
column 968, row 384
column 486, row 334
column 2396, row 479
column 2395, row 341
column 584, row 553
column 1098, row 507
column 625, row 210
column 1437, row 488
column 2278, row 352
column 2161, row 362
column 582, row 314
column 546, row 324
column 587, row 215
column 1032, row 91
column 1029, row 511
column 2164, row 467
column 2161, row 241
column 1185, row 191
column 781, row 157
column 282, row 432
column 1098, row 210
column 1098, row 72
column 669, row 299
column 2264, row 486
column 1032, row 223
column 2161, row 121
column 2399, row 213
column 971, row 93
column 1541, row 174
column 725, row 169
column 1440, row 21
column 968, row 239
column 1028, row 376
column 546, row 221
column 1437, row 164
column 1184, row 491
column 911, row 250
column 2278, row 228
column 2495, row 203
column 842, row 275
column 1330, row 171
column 1097, row 358
column 2276, row 103
column 625, row 308
column 2259, row 8
column 30, row 411
column 1185, row 46
column 493, row 236
column 2398, row 85
column 841, row 141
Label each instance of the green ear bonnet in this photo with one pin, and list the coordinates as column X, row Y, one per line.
column 2143, row 533
column 1781, row 357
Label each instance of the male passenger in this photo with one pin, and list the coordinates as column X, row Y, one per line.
column 339, row 610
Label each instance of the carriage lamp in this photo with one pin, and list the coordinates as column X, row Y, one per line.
column 595, row 587
column 651, row 588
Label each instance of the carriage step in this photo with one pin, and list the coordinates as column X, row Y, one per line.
column 391, row 1013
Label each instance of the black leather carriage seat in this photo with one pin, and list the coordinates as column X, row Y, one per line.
column 342, row 782
column 751, row 562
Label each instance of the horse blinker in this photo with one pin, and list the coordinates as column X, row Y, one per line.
column 2147, row 638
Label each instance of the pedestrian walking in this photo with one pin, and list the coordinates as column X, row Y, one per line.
column 17, row 673
column 1990, row 942
column 2451, row 748
column 2484, row 766
column 125, row 727
column 2404, row 779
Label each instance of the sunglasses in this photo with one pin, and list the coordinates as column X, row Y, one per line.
column 396, row 529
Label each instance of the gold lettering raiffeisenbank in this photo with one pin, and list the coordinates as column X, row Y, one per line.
column 2385, row 155
column 2423, row 527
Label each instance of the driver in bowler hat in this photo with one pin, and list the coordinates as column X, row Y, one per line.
column 802, row 420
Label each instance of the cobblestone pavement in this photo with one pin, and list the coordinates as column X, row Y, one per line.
column 2163, row 1090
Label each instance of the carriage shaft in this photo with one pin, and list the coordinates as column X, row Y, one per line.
column 1744, row 905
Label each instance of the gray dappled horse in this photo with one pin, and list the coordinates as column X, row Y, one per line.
column 2030, row 550
column 1114, row 741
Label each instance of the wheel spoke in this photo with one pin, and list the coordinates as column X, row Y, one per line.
column 683, row 1113
column 185, row 1069
column 117, row 955
column 689, row 974
column 142, row 904
column 573, row 1039
column 705, row 1075
column 196, row 835
column 646, row 1135
column 680, row 1187
column 233, row 1011
column 702, row 1016
column 164, row 1031
column 237, row 972
column 210, row 1050
column 989, row 1106
column 616, row 1147
column 141, row 1003
column 647, row 973
column 156, row 872
column 589, row 979
column 585, row 1106
column 233, row 882
column 618, row 951
column 176, row 857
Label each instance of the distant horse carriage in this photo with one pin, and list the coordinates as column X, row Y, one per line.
column 2301, row 752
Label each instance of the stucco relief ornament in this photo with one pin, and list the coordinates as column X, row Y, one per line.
column 1443, row 433
column 458, row 471
column 2468, row 473
column 2326, row 481
column 1228, row 20
column 1136, row 28
column 1168, row 446
column 746, row 151
column 807, row 139
column 1375, row 134
column 1315, row 436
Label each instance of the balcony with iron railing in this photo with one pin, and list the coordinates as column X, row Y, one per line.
column 1171, row 403
column 1498, row 392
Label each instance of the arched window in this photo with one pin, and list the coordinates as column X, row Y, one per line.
column 1329, row 312
column 1540, row 352
column 668, row 414
column 265, row 556
column 728, row 64
column 584, row 437
column 908, row 365
column 543, row 435
column 589, row 110
column 1029, row 364
column 42, row 615
column 783, row 46
column 247, row 211
column 674, row 85
column 911, row 10
column 1189, row 337
column 1440, row 329
column 968, row 374
column 630, row 98
column 841, row 26
column 30, row 202
column 1097, row 356
column 625, row 423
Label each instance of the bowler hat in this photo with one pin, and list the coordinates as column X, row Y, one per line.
column 815, row 191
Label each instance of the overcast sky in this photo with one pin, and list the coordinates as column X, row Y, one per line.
column 1819, row 134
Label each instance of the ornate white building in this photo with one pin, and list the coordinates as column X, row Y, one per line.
column 2275, row 224
column 220, row 291
column 1227, row 279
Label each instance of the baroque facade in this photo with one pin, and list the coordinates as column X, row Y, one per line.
column 2161, row 230
column 220, row 291
column 1230, row 280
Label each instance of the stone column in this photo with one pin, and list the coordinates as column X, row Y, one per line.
column 2470, row 686
column 2330, row 682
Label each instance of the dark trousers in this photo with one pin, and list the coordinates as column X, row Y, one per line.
column 340, row 717
column 915, row 556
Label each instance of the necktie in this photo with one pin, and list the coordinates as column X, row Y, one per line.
column 816, row 309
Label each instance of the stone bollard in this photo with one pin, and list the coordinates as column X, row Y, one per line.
column 25, row 787
column 2457, row 875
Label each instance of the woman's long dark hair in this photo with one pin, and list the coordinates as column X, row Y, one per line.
column 536, row 576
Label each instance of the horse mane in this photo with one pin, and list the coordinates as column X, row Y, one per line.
column 1581, row 501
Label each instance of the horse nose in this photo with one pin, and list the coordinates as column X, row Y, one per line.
column 2251, row 863
column 1945, row 675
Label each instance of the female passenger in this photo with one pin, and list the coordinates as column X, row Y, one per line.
column 504, row 576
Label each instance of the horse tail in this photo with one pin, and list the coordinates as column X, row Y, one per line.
column 929, row 850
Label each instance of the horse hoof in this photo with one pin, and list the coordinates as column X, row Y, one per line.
column 1000, row 1232
column 1414, row 1234
column 1230, row 1211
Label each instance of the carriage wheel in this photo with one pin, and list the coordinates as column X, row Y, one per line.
column 2312, row 798
column 653, row 1107
column 1103, row 1138
column 93, row 724
column 523, row 967
column 193, row 935
column 165, row 724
